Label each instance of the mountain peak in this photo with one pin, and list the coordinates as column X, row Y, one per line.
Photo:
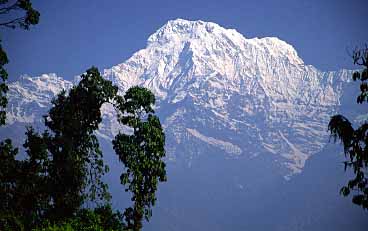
column 217, row 88
column 206, row 36
column 182, row 28
column 183, row 54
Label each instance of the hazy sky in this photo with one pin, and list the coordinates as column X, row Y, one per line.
column 75, row 34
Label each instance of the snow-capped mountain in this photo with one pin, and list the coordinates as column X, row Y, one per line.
column 30, row 97
column 218, row 92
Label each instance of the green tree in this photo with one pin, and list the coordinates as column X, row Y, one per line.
column 8, row 169
column 99, row 219
column 3, row 87
column 77, row 165
column 355, row 141
column 64, row 165
column 18, row 14
column 141, row 152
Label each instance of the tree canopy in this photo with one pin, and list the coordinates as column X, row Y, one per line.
column 141, row 153
column 64, row 164
column 20, row 13
column 355, row 141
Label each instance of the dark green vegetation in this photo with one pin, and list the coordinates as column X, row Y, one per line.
column 99, row 219
column 63, row 166
column 355, row 141
column 141, row 153
column 22, row 14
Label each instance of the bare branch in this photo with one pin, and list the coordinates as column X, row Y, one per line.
column 12, row 23
column 5, row 10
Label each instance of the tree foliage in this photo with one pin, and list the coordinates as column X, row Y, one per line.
column 99, row 219
column 17, row 178
column 20, row 13
column 64, row 165
column 76, row 156
column 3, row 87
column 141, row 152
column 355, row 141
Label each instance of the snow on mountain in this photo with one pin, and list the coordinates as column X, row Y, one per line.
column 216, row 89
column 30, row 97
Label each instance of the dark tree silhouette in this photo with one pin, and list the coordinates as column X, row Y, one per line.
column 141, row 153
column 76, row 167
column 10, row 167
column 355, row 141
column 64, row 165
column 3, row 87
column 20, row 13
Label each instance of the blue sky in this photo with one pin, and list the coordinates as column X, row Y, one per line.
column 73, row 35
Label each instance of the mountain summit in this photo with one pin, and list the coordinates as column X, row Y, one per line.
column 218, row 93
column 205, row 49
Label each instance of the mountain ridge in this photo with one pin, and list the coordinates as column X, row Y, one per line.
column 217, row 88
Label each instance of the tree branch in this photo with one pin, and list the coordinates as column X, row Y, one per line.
column 11, row 23
column 5, row 10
